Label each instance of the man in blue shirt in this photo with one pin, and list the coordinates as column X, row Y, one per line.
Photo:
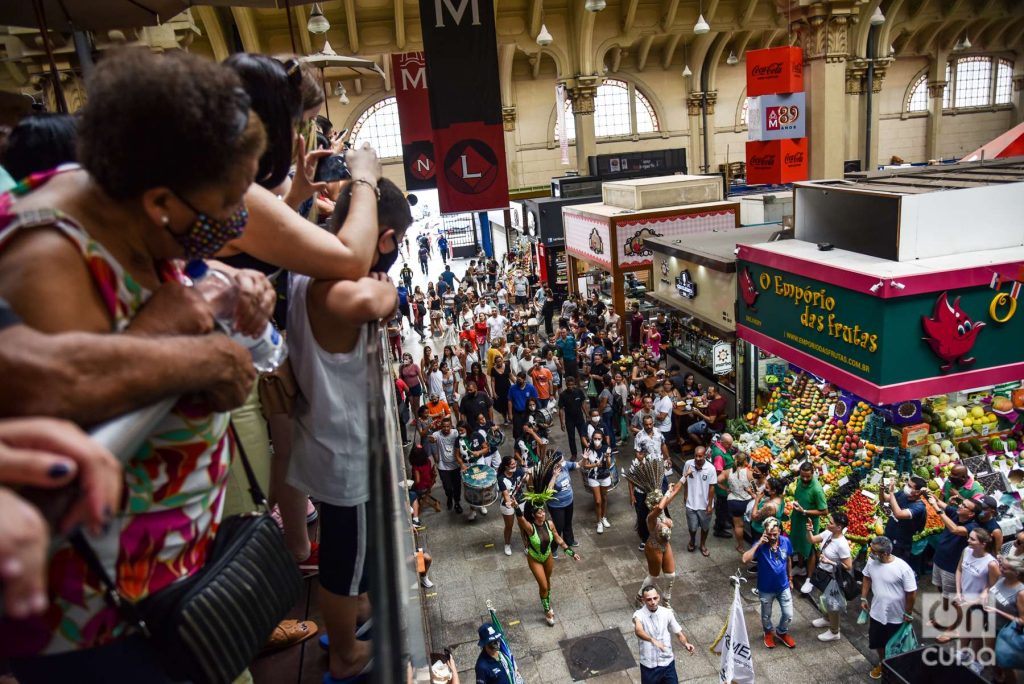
column 449, row 276
column 774, row 556
column 566, row 344
column 492, row 667
column 517, row 396
column 908, row 516
column 442, row 286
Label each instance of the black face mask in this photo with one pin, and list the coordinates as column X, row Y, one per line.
column 386, row 260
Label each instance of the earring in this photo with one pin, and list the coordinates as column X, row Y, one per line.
column 165, row 220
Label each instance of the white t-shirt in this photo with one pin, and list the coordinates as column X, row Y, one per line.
column 496, row 327
column 697, row 483
column 836, row 551
column 649, row 444
column 435, row 383
column 660, row 626
column 663, row 405
column 974, row 573
column 889, row 584
column 502, row 295
column 482, row 308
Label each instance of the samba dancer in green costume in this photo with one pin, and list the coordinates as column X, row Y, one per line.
column 540, row 534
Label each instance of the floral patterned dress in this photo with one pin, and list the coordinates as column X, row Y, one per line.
column 174, row 484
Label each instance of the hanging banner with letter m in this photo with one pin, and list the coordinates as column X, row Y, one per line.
column 461, row 47
column 409, row 72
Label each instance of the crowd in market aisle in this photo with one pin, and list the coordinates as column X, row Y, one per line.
column 124, row 283
column 494, row 366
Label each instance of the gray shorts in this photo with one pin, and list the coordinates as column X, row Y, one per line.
column 695, row 519
column 944, row 581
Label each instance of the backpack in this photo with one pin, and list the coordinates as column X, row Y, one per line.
column 617, row 405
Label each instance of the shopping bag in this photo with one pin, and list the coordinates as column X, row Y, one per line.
column 847, row 584
column 832, row 599
column 1010, row 647
column 862, row 619
column 592, row 389
column 902, row 641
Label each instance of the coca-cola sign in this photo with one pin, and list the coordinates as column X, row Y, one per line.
column 776, row 161
column 762, row 161
column 766, row 70
column 797, row 158
column 775, row 70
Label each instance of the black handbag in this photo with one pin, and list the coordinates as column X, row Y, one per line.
column 847, row 584
column 209, row 627
column 821, row 577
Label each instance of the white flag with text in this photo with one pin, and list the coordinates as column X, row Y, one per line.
column 737, row 662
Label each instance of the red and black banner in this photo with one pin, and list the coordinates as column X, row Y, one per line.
column 409, row 71
column 461, row 47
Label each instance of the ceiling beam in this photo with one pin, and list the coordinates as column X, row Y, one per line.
column 1018, row 37
column 353, row 28
column 214, row 32
column 629, row 14
column 246, row 29
column 616, row 59
column 748, row 12
column 536, row 12
column 770, row 37
column 922, row 8
column 300, row 24
column 535, row 64
column 1003, row 30
column 670, row 49
column 506, row 58
column 400, row 24
column 386, row 68
column 669, row 15
column 892, row 20
column 928, row 37
column 643, row 51
column 742, row 41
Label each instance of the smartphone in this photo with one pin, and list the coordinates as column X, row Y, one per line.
column 332, row 168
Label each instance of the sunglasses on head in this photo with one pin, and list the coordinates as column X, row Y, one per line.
column 293, row 70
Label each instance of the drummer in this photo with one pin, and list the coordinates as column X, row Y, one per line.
column 484, row 442
column 466, row 442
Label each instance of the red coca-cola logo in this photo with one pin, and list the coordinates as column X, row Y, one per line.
column 794, row 158
column 798, row 68
column 763, row 161
column 767, row 70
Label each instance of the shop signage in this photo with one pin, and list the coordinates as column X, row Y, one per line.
column 410, row 74
column 633, row 246
column 776, row 161
column 685, row 285
column 460, row 46
column 596, row 242
column 721, row 358
column 775, row 70
column 774, row 117
column 903, row 347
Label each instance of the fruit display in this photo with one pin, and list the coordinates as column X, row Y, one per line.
column 860, row 510
column 933, row 524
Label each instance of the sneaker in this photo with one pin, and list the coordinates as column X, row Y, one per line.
column 426, row 583
column 604, row 521
column 508, row 549
column 829, row 635
column 472, row 515
column 311, row 565
column 807, row 587
column 769, row 639
column 554, row 554
column 417, row 524
column 642, row 546
column 311, row 512
column 820, row 622
column 574, row 544
column 788, row 640
column 483, row 510
column 458, row 508
column 799, row 570
column 755, row 592
column 876, row 673
column 600, row 528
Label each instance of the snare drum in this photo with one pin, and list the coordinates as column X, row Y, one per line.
column 614, row 474
column 481, row 485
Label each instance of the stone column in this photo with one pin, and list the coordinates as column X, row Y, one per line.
column 581, row 92
column 824, row 35
column 1018, row 98
column 696, row 161
column 856, row 85
column 936, row 90
column 508, row 121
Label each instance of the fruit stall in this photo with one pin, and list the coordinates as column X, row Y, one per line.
column 885, row 370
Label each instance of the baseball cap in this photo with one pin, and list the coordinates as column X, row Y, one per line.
column 488, row 635
column 989, row 501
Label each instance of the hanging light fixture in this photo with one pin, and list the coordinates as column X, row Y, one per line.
column 877, row 18
column 701, row 26
column 342, row 94
column 544, row 38
column 686, row 71
column 317, row 21
column 966, row 44
column 732, row 59
column 595, row 5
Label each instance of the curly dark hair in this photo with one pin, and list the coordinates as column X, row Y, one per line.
column 164, row 120
column 392, row 208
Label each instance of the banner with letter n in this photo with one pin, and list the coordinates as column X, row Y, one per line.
column 409, row 72
column 461, row 48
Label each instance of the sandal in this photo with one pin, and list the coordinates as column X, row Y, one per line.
column 288, row 633
column 707, row 554
column 691, row 547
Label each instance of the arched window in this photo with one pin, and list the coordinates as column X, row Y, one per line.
column 613, row 104
column 972, row 81
column 379, row 126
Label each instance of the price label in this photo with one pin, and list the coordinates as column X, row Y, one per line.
column 832, row 411
column 876, row 478
column 869, row 495
column 985, row 430
column 824, row 469
column 843, row 481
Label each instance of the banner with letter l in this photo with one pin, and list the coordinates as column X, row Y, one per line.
column 460, row 45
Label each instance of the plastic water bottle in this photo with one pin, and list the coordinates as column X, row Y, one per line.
column 268, row 350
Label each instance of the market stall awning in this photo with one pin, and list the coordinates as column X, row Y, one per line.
column 888, row 331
